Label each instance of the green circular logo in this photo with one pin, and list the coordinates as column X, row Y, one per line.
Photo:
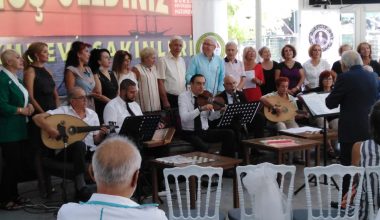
column 220, row 45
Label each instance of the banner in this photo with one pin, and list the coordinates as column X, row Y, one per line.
column 113, row 24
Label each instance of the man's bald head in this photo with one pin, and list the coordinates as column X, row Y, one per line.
column 115, row 162
column 230, row 84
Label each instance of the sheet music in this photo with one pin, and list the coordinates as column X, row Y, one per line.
column 316, row 102
column 249, row 76
column 302, row 130
column 159, row 134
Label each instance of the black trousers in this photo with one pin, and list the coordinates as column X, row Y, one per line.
column 345, row 159
column 173, row 100
column 199, row 140
column 12, row 157
column 76, row 154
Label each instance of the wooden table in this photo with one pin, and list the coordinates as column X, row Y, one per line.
column 218, row 161
column 331, row 134
column 299, row 144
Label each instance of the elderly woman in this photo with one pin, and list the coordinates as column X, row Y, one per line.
column 14, row 109
column 146, row 73
column 77, row 73
column 291, row 69
column 269, row 68
column 254, row 75
column 314, row 66
column 100, row 63
column 121, row 66
column 43, row 96
column 365, row 51
column 337, row 65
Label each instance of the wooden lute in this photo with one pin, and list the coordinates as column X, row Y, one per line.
column 287, row 109
column 75, row 129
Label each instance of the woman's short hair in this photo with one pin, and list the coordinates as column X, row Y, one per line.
column 280, row 80
column 374, row 122
column 246, row 50
column 118, row 60
column 311, row 48
column 325, row 74
column 362, row 44
column 29, row 55
column 95, row 56
column 146, row 52
column 291, row 47
column 261, row 51
column 6, row 55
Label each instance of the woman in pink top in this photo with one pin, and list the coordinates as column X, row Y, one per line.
column 255, row 75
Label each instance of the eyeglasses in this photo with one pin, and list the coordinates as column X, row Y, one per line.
column 80, row 98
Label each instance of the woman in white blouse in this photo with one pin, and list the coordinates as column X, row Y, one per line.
column 146, row 74
column 314, row 67
column 121, row 66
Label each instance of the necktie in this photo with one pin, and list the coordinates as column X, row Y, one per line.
column 130, row 110
column 197, row 120
column 234, row 98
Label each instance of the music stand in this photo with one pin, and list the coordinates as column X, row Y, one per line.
column 244, row 112
column 316, row 106
column 140, row 128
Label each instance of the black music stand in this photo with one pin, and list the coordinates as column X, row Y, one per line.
column 315, row 105
column 140, row 128
column 244, row 112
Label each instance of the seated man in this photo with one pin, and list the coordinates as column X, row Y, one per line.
column 282, row 91
column 232, row 96
column 116, row 165
column 194, row 120
column 124, row 105
column 76, row 152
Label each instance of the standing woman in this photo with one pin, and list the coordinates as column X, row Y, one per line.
column 14, row 109
column 269, row 68
column 77, row 73
column 291, row 69
column 43, row 96
column 254, row 75
column 337, row 65
column 365, row 51
column 314, row 66
column 121, row 66
column 146, row 73
column 100, row 63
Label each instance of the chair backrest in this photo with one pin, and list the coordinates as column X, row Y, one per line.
column 373, row 189
column 246, row 200
column 334, row 175
column 207, row 207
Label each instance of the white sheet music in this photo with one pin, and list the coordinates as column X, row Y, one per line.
column 248, row 82
column 317, row 105
column 302, row 129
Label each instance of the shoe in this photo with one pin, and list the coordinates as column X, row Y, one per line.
column 10, row 206
column 84, row 194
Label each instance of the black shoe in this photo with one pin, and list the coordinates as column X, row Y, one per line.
column 85, row 193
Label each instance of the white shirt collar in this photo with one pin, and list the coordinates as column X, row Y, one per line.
column 112, row 199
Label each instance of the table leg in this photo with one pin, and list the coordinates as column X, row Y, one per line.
column 192, row 186
column 235, row 190
column 155, row 185
column 317, row 155
column 279, row 157
column 307, row 160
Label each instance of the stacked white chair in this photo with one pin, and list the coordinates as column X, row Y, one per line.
column 247, row 202
column 322, row 210
column 372, row 177
column 207, row 207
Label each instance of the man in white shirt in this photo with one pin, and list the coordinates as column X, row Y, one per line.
column 76, row 152
column 116, row 165
column 195, row 116
column 171, row 74
column 124, row 105
column 234, row 67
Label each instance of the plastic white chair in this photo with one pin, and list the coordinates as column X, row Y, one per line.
column 372, row 177
column 248, row 201
column 322, row 210
column 207, row 206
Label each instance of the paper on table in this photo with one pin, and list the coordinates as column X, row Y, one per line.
column 248, row 82
column 177, row 159
column 301, row 130
column 316, row 102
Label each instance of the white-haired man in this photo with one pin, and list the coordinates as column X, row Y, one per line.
column 116, row 164
column 234, row 67
column 355, row 91
column 171, row 74
column 208, row 64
